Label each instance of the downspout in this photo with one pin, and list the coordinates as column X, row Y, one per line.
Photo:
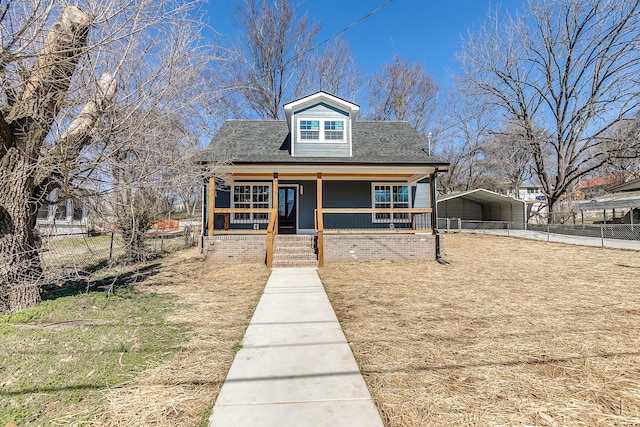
column 434, row 207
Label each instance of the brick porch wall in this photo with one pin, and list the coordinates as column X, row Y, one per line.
column 246, row 248
column 357, row 247
column 379, row 247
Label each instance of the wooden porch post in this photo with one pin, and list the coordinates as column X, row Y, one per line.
column 275, row 200
column 211, row 205
column 320, row 221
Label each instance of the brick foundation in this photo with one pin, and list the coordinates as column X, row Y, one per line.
column 343, row 247
column 379, row 247
column 246, row 248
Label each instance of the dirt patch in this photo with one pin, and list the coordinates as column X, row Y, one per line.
column 513, row 332
column 217, row 302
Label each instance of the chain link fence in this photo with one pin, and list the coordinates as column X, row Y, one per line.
column 69, row 256
column 456, row 225
column 611, row 235
column 621, row 236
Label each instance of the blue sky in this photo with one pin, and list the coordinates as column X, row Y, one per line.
column 417, row 30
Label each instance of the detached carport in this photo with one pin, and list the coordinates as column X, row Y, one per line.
column 482, row 208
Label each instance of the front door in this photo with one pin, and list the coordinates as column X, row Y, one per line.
column 287, row 199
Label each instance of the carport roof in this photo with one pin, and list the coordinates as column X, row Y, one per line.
column 481, row 195
column 629, row 199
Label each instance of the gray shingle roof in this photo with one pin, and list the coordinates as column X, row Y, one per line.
column 264, row 141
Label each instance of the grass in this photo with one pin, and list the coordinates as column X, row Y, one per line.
column 153, row 353
column 513, row 332
column 60, row 356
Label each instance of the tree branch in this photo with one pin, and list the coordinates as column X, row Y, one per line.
column 67, row 148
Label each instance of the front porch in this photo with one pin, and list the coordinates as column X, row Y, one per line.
column 348, row 217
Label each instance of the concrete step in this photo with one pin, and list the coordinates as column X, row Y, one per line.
column 293, row 249
column 295, row 263
column 281, row 256
column 289, row 242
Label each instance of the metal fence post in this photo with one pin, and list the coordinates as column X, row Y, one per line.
column 602, row 236
column 548, row 233
column 508, row 228
column 111, row 246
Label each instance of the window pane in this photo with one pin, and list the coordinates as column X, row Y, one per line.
column 333, row 125
column 77, row 210
column 333, row 135
column 241, row 200
column 401, row 194
column 310, row 125
column 43, row 212
column 241, row 194
column 61, row 211
column 382, row 194
column 309, row 135
column 261, row 194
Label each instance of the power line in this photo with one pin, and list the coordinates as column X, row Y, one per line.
column 348, row 27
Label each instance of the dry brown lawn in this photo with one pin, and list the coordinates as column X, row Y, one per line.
column 513, row 332
column 216, row 302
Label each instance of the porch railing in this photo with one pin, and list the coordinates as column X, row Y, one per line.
column 246, row 221
column 370, row 221
column 373, row 220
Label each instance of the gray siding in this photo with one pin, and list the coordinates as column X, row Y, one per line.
column 421, row 197
column 348, row 194
column 321, row 149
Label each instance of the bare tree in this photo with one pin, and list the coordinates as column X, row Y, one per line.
column 508, row 157
column 403, row 91
column 64, row 72
column 273, row 56
column 332, row 69
column 622, row 140
column 566, row 67
column 467, row 126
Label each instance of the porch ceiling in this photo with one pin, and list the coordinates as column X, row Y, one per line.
column 409, row 173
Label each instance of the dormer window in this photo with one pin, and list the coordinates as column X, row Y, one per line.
column 320, row 130
column 309, row 130
column 334, row 130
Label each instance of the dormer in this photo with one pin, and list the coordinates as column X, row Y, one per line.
column 320, row 125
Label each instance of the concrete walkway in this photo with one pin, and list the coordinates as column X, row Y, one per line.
column 295, row 367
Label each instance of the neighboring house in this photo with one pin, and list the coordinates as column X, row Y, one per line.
column 623, row 197
column 599, row 185
column 62, row 216
column 528, row 192
column 360, row 189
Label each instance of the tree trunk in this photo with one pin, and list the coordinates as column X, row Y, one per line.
column 20, row 269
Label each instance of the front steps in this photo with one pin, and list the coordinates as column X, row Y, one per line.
column 294, row 250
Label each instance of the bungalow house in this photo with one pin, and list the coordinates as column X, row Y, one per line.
column 62, row 216
column 343, row 189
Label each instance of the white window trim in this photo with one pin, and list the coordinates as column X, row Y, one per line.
column 373, row 201
column 321, row 138
column 251, row 220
